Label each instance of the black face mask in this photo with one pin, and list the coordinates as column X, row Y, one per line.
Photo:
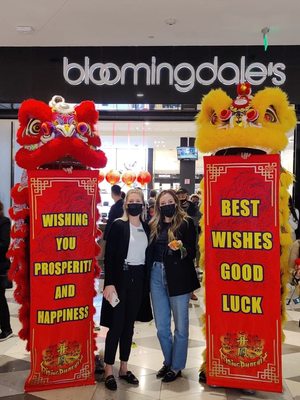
column 168, row 210
column 134, row 209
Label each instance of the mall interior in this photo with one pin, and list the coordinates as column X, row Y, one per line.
column 147, row 66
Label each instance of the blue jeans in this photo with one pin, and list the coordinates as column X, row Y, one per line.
column 174, row 348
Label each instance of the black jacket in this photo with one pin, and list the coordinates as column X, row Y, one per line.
column 180, row 272
column 115, row 253
column 116, row 211
column 4, row 244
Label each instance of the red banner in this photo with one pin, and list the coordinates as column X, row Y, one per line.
column 242, row 272
column 62, row 253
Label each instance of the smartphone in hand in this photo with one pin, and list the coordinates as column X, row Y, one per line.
column 114, row 300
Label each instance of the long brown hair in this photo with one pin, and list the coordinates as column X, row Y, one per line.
column 1, row 209
column 157, row 219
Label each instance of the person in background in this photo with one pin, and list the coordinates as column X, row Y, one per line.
column 152, row 196
column 126, row 279
column 192, row 211
column 170, row 258
column 295, row 247
column 196, row 200
column 150, row 211
column 189, row 207
column 116, row 210
column 6, row 331
column 293, row 218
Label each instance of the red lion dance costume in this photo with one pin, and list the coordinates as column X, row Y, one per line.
column 52, row 137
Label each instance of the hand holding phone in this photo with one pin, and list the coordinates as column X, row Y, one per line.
column 110, row 294
column 114, row 300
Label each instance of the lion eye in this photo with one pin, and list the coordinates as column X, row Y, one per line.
column 214, row 118
column 270, row 115
column 33, row 127
column 82, row 128
column 46, row 129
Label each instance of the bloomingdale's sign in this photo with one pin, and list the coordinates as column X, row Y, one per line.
column 182, row 76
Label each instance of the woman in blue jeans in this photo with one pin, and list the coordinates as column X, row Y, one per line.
column 170, row 258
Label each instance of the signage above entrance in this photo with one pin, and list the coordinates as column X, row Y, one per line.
column 155, row 75
column 183, row 76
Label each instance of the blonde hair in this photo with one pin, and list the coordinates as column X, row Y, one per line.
column 125, row 215
column 155, row 222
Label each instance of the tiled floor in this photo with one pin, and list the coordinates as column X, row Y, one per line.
column 145, row 360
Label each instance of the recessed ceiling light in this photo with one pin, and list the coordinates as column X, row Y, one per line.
column 151, row 36
column 24, row 29
column 140, row 94
column 170, row 21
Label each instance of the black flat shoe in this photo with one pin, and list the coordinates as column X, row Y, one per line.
column 202, row 377
column 162, row 372
column 110, row 382
column 5, row 335
column 171, row 376
column 130, row 378
column 249, row 391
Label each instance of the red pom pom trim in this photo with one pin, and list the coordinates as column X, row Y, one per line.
column 225, row 115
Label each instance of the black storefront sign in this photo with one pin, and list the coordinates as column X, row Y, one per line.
column 171, row 75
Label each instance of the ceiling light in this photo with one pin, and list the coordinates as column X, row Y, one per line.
column 170, row 21
column 151, row 36
column 24, row 29
column 140, row 94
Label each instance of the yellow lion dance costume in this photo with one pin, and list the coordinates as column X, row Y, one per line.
column 256, row 124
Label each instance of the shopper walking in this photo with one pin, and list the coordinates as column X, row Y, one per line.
column 6, row 331
column 125, row 285
column 173, row 277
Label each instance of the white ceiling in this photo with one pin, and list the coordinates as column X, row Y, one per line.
column 142, row 23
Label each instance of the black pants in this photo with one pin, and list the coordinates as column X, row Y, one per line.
column 124, row 314
column 4, row 313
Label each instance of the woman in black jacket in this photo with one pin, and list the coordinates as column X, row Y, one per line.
column 170, row 257
column 125, row 285
column 6, row 331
